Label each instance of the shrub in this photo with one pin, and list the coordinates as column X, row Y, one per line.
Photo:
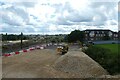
column 110, row 61
column 113, row 64
column 97, row 53
column 113, row 42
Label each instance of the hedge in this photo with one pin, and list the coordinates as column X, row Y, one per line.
column 108, row 60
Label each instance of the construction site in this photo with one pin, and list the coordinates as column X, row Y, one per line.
column 60, row 39
column 47, row 63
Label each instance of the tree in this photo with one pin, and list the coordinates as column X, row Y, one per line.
column 75, row 35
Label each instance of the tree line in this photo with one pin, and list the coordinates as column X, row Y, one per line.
column 74, row 36
column 12, row 37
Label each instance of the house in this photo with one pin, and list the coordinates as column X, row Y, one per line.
column 99, row 34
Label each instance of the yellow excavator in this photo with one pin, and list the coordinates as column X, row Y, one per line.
column 62, row 49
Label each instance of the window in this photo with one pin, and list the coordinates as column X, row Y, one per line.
column 96, row 35
column 101, row 34
column 92, row 39
column 92, row 34
column 110, row 33
column 116, row 35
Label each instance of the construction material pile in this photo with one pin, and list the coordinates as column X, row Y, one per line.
column 79, row 64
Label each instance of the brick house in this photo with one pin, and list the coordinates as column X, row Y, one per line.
column 98, row 34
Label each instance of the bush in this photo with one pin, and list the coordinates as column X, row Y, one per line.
column 97, row 53
column 74, row 36
column 113, row 64
column 110, row 61
column 113, row 42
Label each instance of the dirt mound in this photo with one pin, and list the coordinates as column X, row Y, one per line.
column 80, row 64
column 113, row 77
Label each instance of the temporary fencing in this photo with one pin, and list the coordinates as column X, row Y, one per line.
column 27, row 50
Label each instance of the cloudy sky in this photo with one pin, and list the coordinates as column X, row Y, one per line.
column 57, row 16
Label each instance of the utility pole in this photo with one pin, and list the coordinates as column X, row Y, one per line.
column 6, row 37
column 21, row 37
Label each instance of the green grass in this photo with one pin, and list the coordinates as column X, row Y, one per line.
column 113, row 47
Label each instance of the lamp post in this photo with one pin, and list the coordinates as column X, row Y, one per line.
column 21, row 37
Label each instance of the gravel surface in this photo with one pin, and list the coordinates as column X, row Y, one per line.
column 77, row 62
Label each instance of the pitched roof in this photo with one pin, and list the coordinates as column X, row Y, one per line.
column 97, row 30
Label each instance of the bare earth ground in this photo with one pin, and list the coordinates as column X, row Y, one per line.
column 29, row 65
column 34, row 64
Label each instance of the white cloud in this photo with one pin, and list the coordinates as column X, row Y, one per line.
column 59, row 16
column 111, row 22
column 52, row 28
column 79, row 4
column 12, row 19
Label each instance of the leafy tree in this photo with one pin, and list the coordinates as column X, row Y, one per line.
column 66, row 38
column 75, row 35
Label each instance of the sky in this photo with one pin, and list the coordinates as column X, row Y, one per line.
column 57, row 16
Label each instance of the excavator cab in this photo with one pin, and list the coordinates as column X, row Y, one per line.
column 62, row 49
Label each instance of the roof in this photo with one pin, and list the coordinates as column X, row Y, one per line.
column 97, row 30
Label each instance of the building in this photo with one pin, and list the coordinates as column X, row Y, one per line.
column 99, row 34
column 115, row 36
column 119, row 35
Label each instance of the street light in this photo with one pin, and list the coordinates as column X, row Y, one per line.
column 21, row 39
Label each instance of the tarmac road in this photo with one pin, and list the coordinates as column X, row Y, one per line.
column 71, row 47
